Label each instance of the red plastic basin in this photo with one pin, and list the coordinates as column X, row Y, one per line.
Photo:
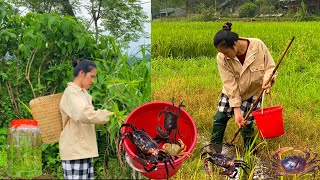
column 146, row 117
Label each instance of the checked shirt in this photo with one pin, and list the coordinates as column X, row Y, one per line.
column 78, row 169
column 224, row 106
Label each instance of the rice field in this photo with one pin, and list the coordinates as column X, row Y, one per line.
column 184, row 66
column 195, row 39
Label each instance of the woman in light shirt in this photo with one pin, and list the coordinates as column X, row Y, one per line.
column 245, row 65
column 77, row 143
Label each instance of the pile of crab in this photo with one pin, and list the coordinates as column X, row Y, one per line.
column 299, row 163
column 168, row 146
column 164, row 148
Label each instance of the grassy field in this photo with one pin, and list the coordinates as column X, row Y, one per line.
column 195, row 39
column 196, row 81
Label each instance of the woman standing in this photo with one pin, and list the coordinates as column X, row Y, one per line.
column 245, row 65
column 77, row 143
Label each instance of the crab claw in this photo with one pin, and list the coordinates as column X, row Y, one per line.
column 206, row 166
column 120, row 145
column 231, row 174
column 205, row 153
column 161, row 133
column 307, row 154
column 278, row 153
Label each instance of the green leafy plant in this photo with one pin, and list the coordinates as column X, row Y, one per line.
column 3, row 149
column 122, row 85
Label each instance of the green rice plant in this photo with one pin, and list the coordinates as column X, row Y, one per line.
column 180, row 39
column 195, row 39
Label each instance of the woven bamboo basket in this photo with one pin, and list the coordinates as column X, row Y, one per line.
column 46, row 111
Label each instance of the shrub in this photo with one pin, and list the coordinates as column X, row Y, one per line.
column 267, row 9
column 207, row 13
column 248, row 10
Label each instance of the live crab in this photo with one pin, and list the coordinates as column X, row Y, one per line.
column 228, row 164
column 149, row 154
column 294, row 164
column 170, row 123
column 176, row 150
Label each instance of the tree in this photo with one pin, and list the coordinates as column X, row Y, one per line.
column 260, row 3
column 248, row 10
column 302, row 12
column 207, row 13
column 123, row 19
column 42, row 6
column 157, row 5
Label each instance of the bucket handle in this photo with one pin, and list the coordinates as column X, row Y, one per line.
column 264, row 92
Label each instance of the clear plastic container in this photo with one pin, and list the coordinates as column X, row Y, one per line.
column 24, row 149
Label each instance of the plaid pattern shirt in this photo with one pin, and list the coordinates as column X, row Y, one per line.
column 224, row 106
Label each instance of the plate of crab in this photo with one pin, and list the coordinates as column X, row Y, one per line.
column 157, row 138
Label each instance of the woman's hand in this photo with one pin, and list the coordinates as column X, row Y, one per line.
column 239, row 119
column 267, row 87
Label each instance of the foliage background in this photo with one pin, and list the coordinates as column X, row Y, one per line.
column 125, row 24
column 36, row 52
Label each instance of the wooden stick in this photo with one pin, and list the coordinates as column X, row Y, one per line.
column 261, row 91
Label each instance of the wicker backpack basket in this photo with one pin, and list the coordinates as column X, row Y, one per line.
column 46, row 111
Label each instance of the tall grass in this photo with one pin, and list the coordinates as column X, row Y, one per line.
column 194, row 39
column 196, row 81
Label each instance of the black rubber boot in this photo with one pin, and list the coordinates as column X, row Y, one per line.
column 220, row 121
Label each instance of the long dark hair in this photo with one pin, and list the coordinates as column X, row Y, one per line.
column 84, row 65
column 225, row 38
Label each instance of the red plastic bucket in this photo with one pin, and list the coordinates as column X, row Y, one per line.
column 270, row 123
column 146, row 117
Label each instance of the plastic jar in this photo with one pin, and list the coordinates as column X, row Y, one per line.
column 24, row 149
